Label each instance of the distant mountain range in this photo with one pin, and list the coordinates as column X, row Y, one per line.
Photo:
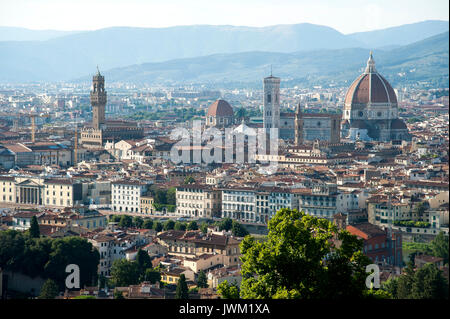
column 298, row 51
column 23, row 34
column 426, row 60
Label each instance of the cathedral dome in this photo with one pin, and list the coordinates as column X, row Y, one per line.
column 220, row 108
column 370, row 87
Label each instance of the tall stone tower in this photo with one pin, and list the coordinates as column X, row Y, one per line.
column 298, row 126
column 98, row 100
column 271, row 115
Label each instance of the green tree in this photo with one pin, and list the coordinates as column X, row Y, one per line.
column 429, row 283
column 143, row 260
column 192, row 225
column 138, row 222
column 300, row 260
column 35, row 256
column 152, row 275
column 118, row 294
column 115, row 218
column 157, row 227
column 180, row 226
column 227, row 291
column 182, row 291
column 238, row 230
column 34, row 228
column 72, row 250
column 124, row 273
column 420, row 209
column 204, row 228
column 148, row 224
column 171, row 197
column 49, row 290
column 405, row 282
column 439, row 246
column 202, row 281
column 169, row 225
column 225, row 224
column 125, row 221
column 160, row 197
column 189, row 180
column 390, row 286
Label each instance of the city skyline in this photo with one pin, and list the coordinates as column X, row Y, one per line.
column 346, row 17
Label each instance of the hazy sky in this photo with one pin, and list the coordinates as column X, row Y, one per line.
column 346, row 16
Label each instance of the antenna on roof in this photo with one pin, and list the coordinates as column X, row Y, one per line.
column 271, row 70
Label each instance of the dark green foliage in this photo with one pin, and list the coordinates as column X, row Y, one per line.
column 125, row 221
column 118, row 294
column 157, row 226
column 143, row 260
column 49, row 290
column 72, row 250
column 138, row 222
column 152, row 275
column 439, row 247
column 148, row 224
column 125, row 273
column 171, row 196
column 11, row 248
column 47, row 257
column 227, row 291
column 204, row 228
column 238, row 229
column 34, row 228
column 182, row 291
column 202, row 281
column 192, row 225
column 427, row 282
column 189, row 180
column 225, row 224
column 290, row 264
column 179, row 226
column 169, row 225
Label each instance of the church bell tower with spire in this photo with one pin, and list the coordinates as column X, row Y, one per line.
column 98, row 100
column 298, row 126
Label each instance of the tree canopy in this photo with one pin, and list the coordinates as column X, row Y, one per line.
column 34, row 228
column 125, row 273
column 182, row 291
column 426, row 282
column 228, row 291
column 49, row 290
column 303, row 257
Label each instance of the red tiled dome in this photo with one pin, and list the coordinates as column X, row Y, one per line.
column 370, row 87
column 220, row 108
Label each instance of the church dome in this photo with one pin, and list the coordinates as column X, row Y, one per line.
column 220, row 108
column 370, row 87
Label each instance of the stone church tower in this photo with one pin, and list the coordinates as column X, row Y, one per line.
column 271, row 113
column 98, row 100
column 298, row 126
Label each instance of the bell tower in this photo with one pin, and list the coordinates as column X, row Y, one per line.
column 98, row 100
column 298, row 126
column 271, row 102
